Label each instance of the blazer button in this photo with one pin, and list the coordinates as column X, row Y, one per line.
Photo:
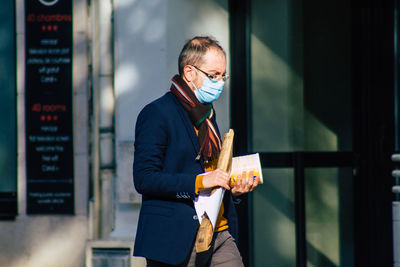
column 194, row 217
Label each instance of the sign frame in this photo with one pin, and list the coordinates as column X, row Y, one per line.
column 49, row 106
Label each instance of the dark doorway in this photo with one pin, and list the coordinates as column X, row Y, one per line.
column 316, row 90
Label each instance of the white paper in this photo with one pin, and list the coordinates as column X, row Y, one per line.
column 209, row 203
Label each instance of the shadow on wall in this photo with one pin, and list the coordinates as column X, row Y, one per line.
column 44, row 241
column 139, row 50
column 149, row 36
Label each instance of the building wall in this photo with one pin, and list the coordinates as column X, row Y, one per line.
column 52, row 240
column 146, row 40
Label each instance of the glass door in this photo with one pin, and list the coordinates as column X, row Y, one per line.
column 301, row 124
column 303, row 213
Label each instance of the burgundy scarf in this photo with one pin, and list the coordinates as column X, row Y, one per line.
column 200, row 114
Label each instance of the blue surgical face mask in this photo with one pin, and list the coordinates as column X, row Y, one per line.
column 209, row 91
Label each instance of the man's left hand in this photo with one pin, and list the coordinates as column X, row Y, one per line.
column 244, row 185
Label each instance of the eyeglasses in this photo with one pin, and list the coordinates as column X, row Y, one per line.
column 215, row 77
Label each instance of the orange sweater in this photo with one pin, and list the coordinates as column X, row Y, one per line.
column 222, row 222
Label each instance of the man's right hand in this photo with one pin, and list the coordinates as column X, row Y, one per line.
column 216, row 178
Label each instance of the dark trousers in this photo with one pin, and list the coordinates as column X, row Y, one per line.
column 224, row 253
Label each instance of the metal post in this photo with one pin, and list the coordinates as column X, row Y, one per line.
column 300, row 213
column 396, row 213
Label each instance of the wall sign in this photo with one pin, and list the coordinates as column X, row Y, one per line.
column 48, row 85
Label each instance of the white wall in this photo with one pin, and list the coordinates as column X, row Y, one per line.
column 185, row 19
column 149, row 35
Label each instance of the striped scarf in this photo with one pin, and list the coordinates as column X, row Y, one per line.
column 200, row 114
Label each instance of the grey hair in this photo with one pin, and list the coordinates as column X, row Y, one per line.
column 194, row 49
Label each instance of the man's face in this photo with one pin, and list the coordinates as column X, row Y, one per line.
column 214, row 63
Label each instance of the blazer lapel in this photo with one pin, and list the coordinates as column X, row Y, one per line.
column 187, row 123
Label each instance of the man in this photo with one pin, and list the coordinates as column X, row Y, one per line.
column 177, row 143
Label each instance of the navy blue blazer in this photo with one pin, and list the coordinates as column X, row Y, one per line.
column 164, row 172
